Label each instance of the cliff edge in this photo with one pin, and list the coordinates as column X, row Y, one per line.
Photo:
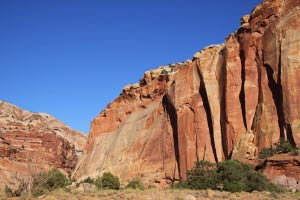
column 229, row 101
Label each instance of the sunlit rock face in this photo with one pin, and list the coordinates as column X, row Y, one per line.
column 229, row 101
column 34, row 142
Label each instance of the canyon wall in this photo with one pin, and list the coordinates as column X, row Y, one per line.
column 34, row 142
column 229, row 101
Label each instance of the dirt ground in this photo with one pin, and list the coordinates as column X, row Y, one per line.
column 155, row 194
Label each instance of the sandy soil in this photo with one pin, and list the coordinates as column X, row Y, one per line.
column 155, row 194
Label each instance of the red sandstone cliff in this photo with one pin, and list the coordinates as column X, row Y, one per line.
column 32, row 142
column 229, row 101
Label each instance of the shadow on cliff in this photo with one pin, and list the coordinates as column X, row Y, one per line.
column 171, row 111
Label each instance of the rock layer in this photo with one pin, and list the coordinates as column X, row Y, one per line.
column 229, row 101
column 33, row 142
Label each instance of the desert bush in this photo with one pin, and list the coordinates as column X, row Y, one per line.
column 202, row 176
column 282, row 146
column 49, row 181
column 237, row 177
column 164, row 72
column 98, row 182
column 230, row 175
column 88, row 180
column 265, row 153
column 256, row 181
column 233, row 174
column 107, row 181
column 135, row 183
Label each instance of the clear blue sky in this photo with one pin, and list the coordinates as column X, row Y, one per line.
column 70, row 58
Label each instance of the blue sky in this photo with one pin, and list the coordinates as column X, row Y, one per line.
column 70, row 58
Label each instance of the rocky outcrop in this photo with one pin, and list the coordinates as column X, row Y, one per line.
column 134, row 135
column 33, row 142
column 230, row 101
column 282, row 169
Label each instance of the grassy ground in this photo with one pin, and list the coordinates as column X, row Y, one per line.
column 155, row 194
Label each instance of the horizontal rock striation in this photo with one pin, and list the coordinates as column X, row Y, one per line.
column 34, row 142
column 230, row 101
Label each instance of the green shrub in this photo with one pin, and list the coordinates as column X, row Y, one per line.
column 203, row 176
column 88, row 180
column 231, row 175
column 236, row 186
column 265, row 153
column 56, row 179
column 164, row 72
column 110, row 181
column 98, row 182
column 135, row 183
column 48, row 181
column 107, row 181
column 256, row 181
column 282, row 146
column 179, row 185
column 237, row 177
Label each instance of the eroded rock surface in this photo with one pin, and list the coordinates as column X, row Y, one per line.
column 243, row 92
column 282, row 169
column 33, row 142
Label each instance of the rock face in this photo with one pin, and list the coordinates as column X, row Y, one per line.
column 282, row 165
column 282, row 169
column 32, row 142
column 229, row 101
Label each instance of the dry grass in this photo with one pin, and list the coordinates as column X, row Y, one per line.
column 155, row 194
